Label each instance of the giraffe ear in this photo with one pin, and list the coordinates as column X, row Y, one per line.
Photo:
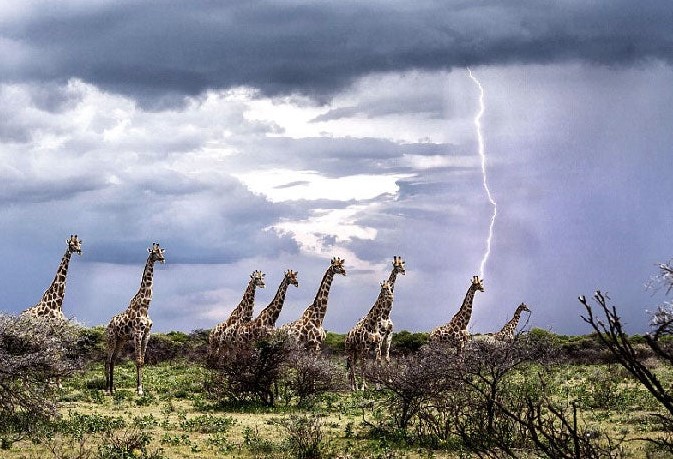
column 149, row 250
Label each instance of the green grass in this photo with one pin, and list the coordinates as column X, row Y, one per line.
column 176, row 419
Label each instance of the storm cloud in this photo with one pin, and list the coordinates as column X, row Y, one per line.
column 159, row 52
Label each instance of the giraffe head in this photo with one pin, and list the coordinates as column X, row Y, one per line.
column 337, row 266
column 291, row 277
column 523, row 307
column 258, row 278
column 74, row 244
column 477, row 284
column 156, row 253
column 386, row 289
column 398, row 265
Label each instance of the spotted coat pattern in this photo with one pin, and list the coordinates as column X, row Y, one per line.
column 455, row 332
column 385, row 323
column 222, row 338
column 264, row 323
column 364, row 340
column 133, row 324
column 506, row 334
column 308, row 330
column 51, row 304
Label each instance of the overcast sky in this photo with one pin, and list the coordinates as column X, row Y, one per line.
column 274, row 135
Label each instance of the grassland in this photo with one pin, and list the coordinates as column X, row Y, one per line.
column 177, row 418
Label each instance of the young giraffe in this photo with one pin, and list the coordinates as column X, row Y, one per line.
column 364, row 340
column 133, row 324
column 506, row 335
column 455, row 332
column 265, row 322
column 51, row 304
column 308, row 330
column 222, row 337
column 385, row 323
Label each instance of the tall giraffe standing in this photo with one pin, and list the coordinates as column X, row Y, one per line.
column 308, row 329
column 455, row 332
column 51, row 304
column 364, row 340
column 265, row 322
column 385, row 323
column 222, row 338
column 506, row 334
column 133, row 324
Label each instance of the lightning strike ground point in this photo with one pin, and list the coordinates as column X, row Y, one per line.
column 482, row 155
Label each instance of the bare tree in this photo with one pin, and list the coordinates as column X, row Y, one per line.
column 612, row 335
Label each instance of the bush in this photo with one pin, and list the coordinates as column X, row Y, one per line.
column 304, row 435
column 252, row 372
column 34, row 354
column 309, row 376
column 405, row 342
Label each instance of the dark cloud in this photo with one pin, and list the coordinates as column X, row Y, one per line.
column 160, row 52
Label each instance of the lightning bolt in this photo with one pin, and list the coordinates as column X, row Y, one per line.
column 482, row 155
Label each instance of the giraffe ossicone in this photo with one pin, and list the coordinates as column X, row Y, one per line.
column 133, row 324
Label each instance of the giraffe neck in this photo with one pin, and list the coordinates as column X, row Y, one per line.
column 141, row 301
column 53, row 296
column 270, row 314
column 316, row 311
column 462, row 317
column 510, row 326
column 391, row 279
column 243, row 311
column 385, row 311
column 381, row 308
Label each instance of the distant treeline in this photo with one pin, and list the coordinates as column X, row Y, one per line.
column 176, row 345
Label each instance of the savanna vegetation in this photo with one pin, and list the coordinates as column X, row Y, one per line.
column 604, row 394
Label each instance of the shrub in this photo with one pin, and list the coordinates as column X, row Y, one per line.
column 309, row 376
column 252, row 372
column 34, row 354
column 304, row 435
column 405, row 342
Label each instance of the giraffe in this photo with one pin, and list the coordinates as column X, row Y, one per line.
column 308, row 330
column 51, row 304
column 364, row 340
column 265, row 322
column 385, row 323
column 455, row 332
column 133, row 324
column 506, row 335
column 222, row 337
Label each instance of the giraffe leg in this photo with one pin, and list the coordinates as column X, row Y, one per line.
column 140, row 342
column 386, row 346
column 363, row 361
column 377, row 358
column 112, row 351
column 350, row 366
